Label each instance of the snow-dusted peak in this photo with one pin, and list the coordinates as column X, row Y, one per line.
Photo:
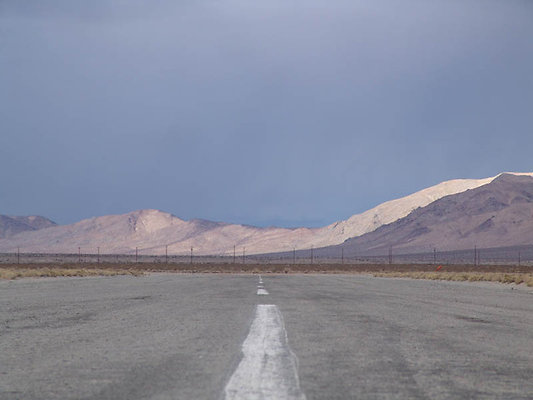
column 517, row 173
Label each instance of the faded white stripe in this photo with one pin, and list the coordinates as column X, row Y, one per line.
column 268, row 369
column 262, row 292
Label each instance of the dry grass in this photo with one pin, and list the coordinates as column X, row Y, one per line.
column 494, row 273
column 14, row 273
column 517, row 278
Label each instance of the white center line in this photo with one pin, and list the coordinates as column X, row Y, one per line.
column 262, row 292
column 268, row 369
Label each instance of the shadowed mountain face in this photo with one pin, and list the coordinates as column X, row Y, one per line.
column 10, row 226
column 494, row 215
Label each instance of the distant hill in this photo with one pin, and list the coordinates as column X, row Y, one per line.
column 10, row 225
column 152, row 230
column 497, row 214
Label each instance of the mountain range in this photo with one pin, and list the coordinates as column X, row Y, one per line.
column 406, row 223
column 11, row 225
column 498, row 214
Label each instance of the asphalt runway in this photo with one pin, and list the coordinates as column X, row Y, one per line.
column 179, row 336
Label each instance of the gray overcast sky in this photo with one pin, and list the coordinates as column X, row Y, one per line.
column 285, row 112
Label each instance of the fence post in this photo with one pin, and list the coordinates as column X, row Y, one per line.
column 294, row 255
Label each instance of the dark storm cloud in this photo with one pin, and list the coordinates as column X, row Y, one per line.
column 257, row 112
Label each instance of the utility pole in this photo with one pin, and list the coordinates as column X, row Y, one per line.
column 166, row 254
column 191, row 254
column 342, row 255
column 136, row 254
column 475, row 255
column 390, row 255
column 234, row 259
column 294, row 255
column 79, row 254
column 312, row 248
column 434, row 256
column 243, row 254
column 518, row 258
column 98, row 257
column 18, row 255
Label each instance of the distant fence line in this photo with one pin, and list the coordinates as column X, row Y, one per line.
column 518, row 255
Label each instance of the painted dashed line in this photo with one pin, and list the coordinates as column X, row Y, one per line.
column 268, row 369
column 261, row 291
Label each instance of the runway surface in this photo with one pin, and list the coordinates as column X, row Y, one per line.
column 178, row 336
